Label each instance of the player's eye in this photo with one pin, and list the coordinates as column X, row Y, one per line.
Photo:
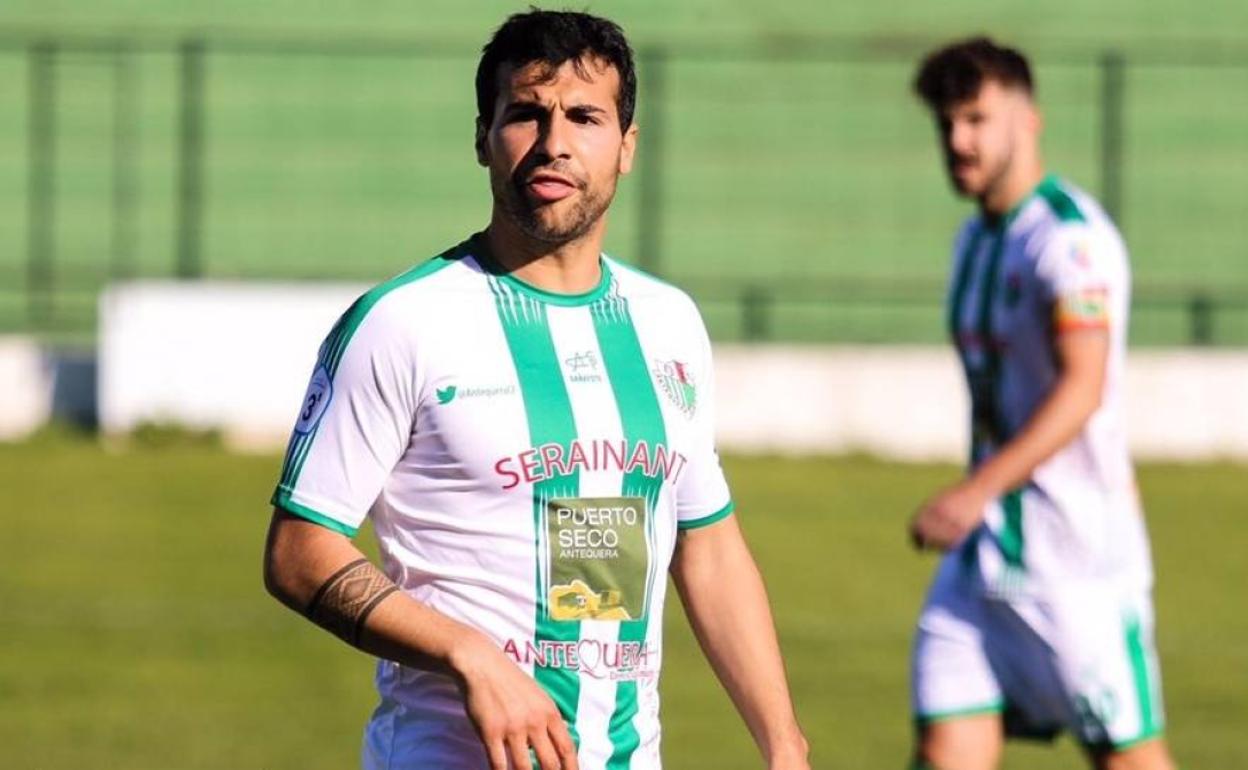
column 584, row 116
column 523, row 114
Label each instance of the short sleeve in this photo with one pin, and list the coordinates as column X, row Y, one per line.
column 702, row 495
column 354, row 423
column 1078, row 271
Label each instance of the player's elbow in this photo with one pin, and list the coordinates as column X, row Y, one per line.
column 273, row 576
column 279, row 570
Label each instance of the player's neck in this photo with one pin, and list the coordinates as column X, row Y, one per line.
column 1011, row 190
column 567, row 268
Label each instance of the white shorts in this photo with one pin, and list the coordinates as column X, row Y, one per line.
column 1080, row 658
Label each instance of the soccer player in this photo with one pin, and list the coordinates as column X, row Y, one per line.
column 528, row 424
column 1039, row 618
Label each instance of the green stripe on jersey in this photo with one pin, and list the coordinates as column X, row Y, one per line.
column 1011, row 538
column 548, row 410
column 962, row 280
column 330, row 355
column 1150, row 718
column 642, row 420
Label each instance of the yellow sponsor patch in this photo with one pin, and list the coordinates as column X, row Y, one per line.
column 1087, row 308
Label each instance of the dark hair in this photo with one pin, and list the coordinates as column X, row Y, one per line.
column 552, row 38
column 956, row 72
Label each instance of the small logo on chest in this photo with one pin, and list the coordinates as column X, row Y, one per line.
column 582, row 367
column 453, row 391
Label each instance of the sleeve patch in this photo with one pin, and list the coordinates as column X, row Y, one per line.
column 315, row 401
column 1085, row 308
column 1080, row 254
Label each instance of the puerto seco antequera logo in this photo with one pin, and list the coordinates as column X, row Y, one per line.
column 676, row 380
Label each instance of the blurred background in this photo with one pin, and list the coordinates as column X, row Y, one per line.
column 786, row 178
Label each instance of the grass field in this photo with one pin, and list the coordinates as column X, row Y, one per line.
column 774, row 168
column 134, row 632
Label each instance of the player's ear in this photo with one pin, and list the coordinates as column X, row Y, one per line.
column 628, row 148
column 483, row 155
column 1031, row 114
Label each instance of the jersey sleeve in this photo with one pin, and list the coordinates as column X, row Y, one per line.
column 1077, row 271
column 354, row 423
column 702, row 495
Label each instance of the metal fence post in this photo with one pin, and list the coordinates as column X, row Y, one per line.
column 1113, row 83
column 190, row 160
column 125, row 173
column 1200, row 313
column 41, row 192
column 756, row 304
column 650, row 207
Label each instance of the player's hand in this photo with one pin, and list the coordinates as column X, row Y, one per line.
column 511, row 712
column 943, row 521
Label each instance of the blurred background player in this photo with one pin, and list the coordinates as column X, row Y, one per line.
column 528, row 423
column 1040, row 617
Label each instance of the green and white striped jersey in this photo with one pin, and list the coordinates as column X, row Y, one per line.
column 526, row 459
column 1054, row 264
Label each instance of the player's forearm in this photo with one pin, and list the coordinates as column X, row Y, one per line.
column 1056, row 423
column 726, row 602
column 323, row 576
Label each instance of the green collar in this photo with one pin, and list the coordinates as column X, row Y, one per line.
column 480, row 250
column 1049, row 182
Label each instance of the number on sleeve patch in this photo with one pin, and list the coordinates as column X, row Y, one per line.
column 320, row 391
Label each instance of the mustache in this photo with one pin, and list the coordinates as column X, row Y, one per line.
column 525, row 172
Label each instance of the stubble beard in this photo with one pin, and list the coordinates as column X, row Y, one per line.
column 584, row 213
column 995, row 175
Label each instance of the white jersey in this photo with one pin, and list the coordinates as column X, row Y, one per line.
column 527, row 459
column 1053, row 264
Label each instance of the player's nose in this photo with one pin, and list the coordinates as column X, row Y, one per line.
column 960, row 139
column 554, row 140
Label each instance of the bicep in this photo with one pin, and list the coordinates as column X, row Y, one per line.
column 708, row 552
column 1083, row 355
column 299, row 555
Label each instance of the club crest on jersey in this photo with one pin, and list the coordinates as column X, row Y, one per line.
column 676, row 380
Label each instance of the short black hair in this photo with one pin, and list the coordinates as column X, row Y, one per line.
column 552, row 38
column 956, row 72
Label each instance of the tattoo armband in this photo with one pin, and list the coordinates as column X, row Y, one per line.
column 343, row 602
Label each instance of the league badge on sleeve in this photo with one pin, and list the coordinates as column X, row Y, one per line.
column 676, row 380
column 320, row 391
column 1087, row 308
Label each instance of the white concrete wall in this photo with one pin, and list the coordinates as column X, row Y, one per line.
column 237, row 357
column 26, row 386
column 910, row 403
column 903, row 402
column 233, row 356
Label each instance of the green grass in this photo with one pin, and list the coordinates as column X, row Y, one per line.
column 134, row 632
column 355, row 166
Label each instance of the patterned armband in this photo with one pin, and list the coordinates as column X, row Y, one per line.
column 346, row 599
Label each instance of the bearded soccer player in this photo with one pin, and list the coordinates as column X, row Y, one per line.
column 1039, row 618
column 528, row 424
